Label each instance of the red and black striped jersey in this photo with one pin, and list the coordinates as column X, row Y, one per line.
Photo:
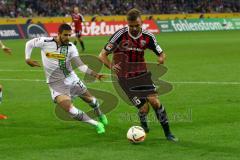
column 128, row 51
column 77, row 19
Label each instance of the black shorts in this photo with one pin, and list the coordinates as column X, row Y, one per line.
column 138, row 88
column 78, row 34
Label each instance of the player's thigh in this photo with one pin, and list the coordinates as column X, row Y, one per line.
column 59, row 88
column 78, row 89
column 78, row 34
column 64, row 101
column 153, row 100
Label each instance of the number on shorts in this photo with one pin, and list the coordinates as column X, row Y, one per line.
column 136, row 100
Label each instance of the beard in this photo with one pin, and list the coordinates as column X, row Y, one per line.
column 135, row 33
column 64, row 41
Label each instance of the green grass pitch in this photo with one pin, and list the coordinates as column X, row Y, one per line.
column 203, row 108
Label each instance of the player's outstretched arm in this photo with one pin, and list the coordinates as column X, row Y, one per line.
column 28, row 51
column 76, row 61
column 5, row 49
column 103, row 57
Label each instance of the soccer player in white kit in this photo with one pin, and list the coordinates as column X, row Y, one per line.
column 57, row 55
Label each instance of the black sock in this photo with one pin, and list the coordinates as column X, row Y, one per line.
column 143, row 120
column 75, row 42
column 82, row 45
column 163, row 119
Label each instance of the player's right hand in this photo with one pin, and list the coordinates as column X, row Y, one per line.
column 161, row 58
column 116, row 67
column 33, row 63
column 100, row 77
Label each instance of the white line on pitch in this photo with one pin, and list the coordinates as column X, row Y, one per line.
column 109, row 81
column 206, row 82
column 29, row 80
column 17, row 70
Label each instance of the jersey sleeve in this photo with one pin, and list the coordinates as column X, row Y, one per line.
column 114, row 41
column 154, row 46
column 33, row 43
column 38, row 42
column 74, row 52
column 76, row 60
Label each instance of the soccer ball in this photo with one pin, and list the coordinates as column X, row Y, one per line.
column 136, row 134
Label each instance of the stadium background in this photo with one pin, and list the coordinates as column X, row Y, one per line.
column 201, row 40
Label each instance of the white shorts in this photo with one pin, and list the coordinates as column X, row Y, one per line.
column 71, row 86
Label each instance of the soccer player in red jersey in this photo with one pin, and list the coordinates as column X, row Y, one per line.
column 8, row 51
column 77, row 20
column 128, row 45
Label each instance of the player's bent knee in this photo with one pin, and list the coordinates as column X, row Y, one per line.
column 61, row 98
column 144, row 109
column 154, row 102
column 64, row 101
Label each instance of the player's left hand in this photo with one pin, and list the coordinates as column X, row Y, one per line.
column 7, row 50
column 161, row 58
column 33, row 63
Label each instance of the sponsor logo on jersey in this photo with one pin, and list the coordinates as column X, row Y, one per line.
column 55, row 55
column 135, row 49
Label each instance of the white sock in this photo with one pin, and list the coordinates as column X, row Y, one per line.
column 81, row 116
column 95, row 105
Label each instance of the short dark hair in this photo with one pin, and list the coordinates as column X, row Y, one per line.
column 63, row 27
column 133, row 14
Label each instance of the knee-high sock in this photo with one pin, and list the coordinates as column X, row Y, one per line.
column 82, row 45
column 143, row 120
column 81, row 116
column 163, row 119
column 95, row 105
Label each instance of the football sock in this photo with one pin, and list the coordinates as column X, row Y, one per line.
column 163, row 119
column 81, row 116
column 95, row 105
column 75, row 42
column 143, row 120
column 82, row 45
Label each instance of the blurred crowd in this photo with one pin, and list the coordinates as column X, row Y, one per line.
column 33, row 8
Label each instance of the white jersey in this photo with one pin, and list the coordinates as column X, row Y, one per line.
column 56, row 59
